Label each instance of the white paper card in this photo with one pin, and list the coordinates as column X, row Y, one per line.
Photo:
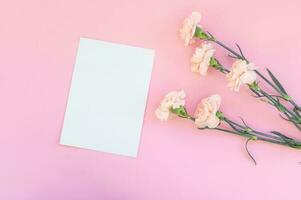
column 107, row 98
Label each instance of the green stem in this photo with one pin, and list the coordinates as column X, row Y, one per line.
column 246, row 131
column 268, row 82
column 292, row 117
column 251, row 134
column 298, row 108
column 228, row 49
column 257, row 132
column 258, row 137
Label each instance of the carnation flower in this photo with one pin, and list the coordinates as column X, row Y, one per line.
column 188, row 28
column 241, row 73
column 205, row 114
column 172, row 100
column 200, row 60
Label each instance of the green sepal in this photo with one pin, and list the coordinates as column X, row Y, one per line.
column 180, row 111
column 214, row 63
column 279, row 86
column 254, row 86
column 220, row 115
column 199, row 33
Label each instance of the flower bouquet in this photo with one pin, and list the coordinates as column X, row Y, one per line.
column 208, row 114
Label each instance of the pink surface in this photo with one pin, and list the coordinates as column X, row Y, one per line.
column 37, row 53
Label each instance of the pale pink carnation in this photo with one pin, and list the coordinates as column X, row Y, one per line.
column 172, row 100
column 188, row 28
column 241, row 73
column 205, row 114
column 200, row 60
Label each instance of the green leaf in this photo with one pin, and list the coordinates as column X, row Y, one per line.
column 290, row 141
column 275, row 80
column 247, row 149
column 280, row 135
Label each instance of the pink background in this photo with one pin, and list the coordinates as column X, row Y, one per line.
column 38, row 46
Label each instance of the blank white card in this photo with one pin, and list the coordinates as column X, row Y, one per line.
column 107, row 98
